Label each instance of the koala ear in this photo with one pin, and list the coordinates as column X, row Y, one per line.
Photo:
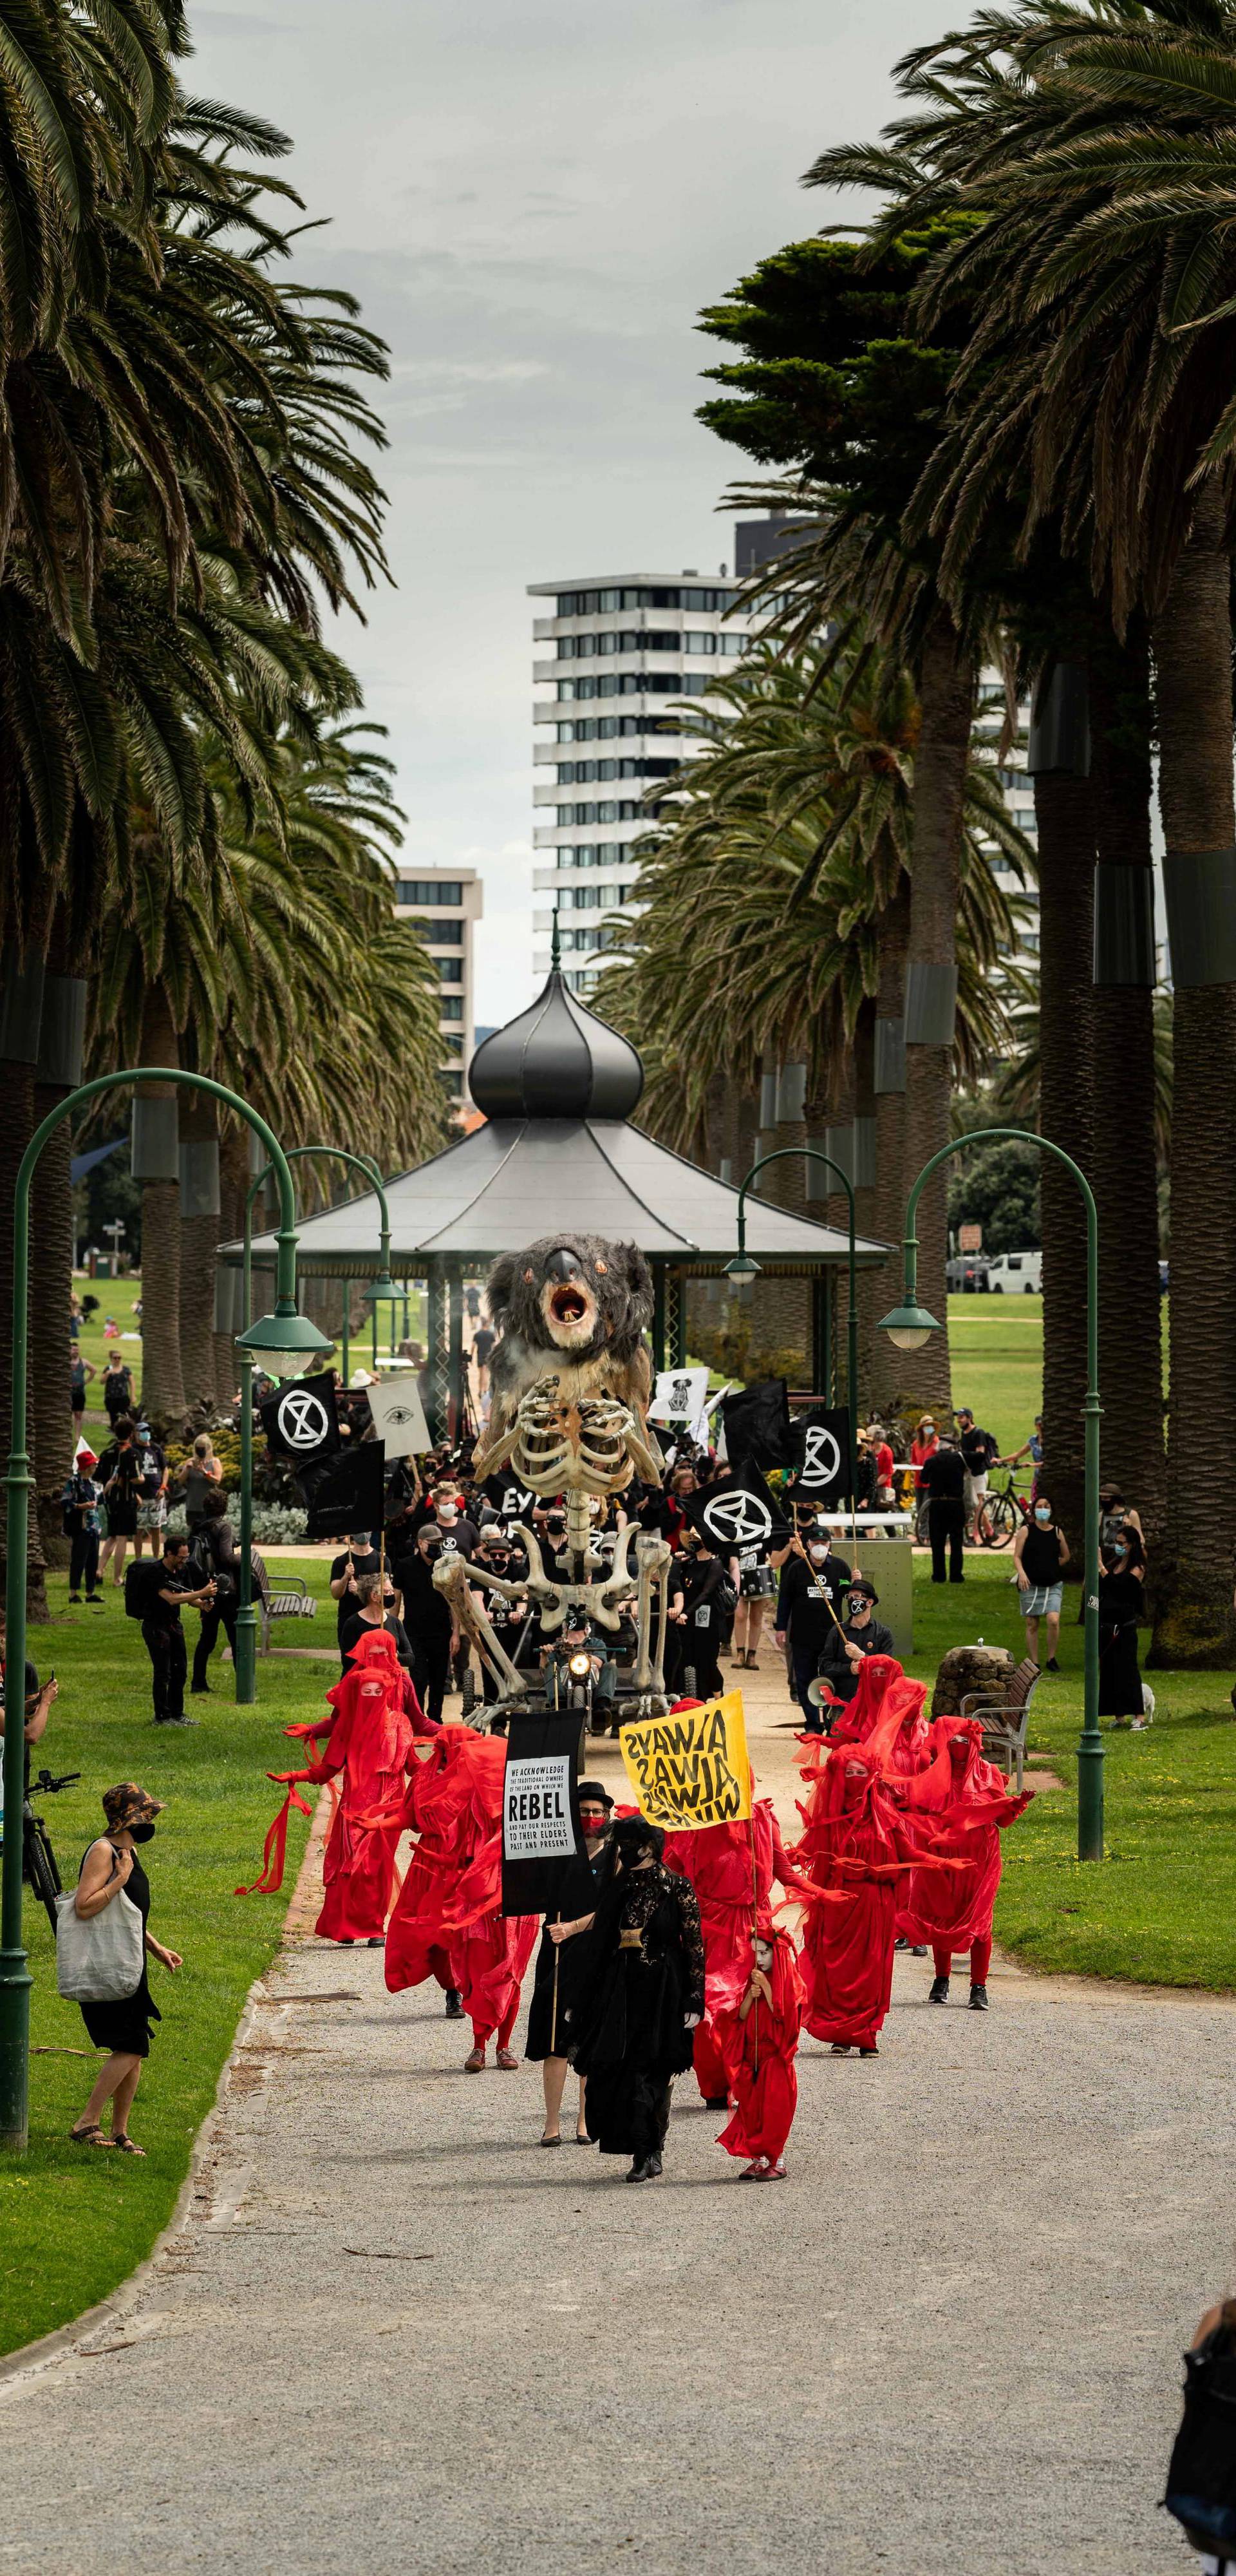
column 499, row 1285
column 629, row 1260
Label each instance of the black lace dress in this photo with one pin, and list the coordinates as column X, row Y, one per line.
column 646, row 1975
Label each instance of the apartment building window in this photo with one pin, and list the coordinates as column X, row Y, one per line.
column 451, row 1006
column 442, row 934
column 608, row 603
column 450, row 969
column 427, row 890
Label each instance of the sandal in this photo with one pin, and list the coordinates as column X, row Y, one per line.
column 92, row 2136
column 125, row 2144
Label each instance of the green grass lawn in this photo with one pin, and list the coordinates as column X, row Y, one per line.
column 1162, row 1908
column 74, row 2222
column 996, row 1350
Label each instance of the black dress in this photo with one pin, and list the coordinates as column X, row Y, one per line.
column 551, row 2024
column 633, row 2038
column 124, row 2027
column 1120, row 1680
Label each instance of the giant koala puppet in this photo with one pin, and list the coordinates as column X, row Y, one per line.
column 574, row 1307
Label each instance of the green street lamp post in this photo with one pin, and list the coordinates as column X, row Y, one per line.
column 250, row 1348
column 744, row 1269
column 284, row 1337
column 910, row 1325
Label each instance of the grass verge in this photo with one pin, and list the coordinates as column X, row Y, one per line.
column 73, row 2222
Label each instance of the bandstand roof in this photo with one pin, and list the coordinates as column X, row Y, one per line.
column 556, row 1153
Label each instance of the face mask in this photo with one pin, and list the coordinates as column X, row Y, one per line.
column 593, row 1826
column 1041, row 1513
column 447, row 1513
column 431, row 1554
column 1120, row 1551
column 142, row 1833
column 817, row 1554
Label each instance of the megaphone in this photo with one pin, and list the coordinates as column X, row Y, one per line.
column 817, row 1692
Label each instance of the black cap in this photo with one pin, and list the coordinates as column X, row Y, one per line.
column 863, row 1587
column 596, row 1790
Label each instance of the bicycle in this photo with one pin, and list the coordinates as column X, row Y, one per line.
column 1001, row 1515
column 38, row 1860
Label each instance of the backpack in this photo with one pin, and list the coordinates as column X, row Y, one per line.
column 138, row 1586
column 1201, row 2478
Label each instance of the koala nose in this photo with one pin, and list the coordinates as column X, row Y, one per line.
column 561, row 1264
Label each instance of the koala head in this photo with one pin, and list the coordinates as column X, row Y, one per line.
column 576, row 1294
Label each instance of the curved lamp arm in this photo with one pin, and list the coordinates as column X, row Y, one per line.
column 321, row 1153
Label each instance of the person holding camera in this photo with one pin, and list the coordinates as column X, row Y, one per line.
column 165, row 1590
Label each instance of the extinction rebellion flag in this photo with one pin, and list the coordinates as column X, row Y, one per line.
column 691, row 1768
column 824, row 1475
column 757, row 1426
column 346, row 1492
column 300, row 1421
column 738, row 1516
column 542, row 1844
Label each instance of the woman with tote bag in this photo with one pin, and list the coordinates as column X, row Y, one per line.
column 95, row 1965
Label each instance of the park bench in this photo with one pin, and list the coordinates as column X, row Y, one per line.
column 1005, row 1722
column 292, row 1600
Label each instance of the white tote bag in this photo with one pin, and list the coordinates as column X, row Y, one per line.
column 99, row 1957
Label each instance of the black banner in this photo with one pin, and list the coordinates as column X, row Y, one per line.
column 514, row 1502
column 542, row 1845
column 738, row 1516
column 346, row 1492
column 300, row 1420
column 758, row 1430
column 823, row 1476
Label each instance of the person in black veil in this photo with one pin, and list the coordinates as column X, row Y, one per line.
column 641, row 2000
column 562, row 1962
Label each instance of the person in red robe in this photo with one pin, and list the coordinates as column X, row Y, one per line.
column 758, row 2037
column 855, row 1848
column 970, row 1804
column 449, row 1921
column 732, row 1869
column 366, row 1754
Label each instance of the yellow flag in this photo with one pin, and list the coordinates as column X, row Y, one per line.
column 692, row 1768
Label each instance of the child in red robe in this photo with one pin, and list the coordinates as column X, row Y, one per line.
column 970, row 1804
column 759, row 2039
column 732, row 1869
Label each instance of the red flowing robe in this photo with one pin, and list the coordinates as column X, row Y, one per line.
column 969, row 1808
column 449, row 1921
column 733, row 1888
column 760, row 2053
column 854, row 1849
column 367, row 1752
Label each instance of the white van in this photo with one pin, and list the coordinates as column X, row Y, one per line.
column 1016, row 1274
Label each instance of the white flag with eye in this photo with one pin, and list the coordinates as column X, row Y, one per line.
column 398, row 1416
column 682, row 1396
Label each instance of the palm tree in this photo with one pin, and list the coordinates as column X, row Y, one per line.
column 1095, row 140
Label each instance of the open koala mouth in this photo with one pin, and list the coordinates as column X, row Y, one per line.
column 568, row 1310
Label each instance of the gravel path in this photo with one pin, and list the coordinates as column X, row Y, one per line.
column 397, row 2336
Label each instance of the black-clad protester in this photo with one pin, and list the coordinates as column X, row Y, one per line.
column 80, row 1499
column 859, row 1635
column 379, row 1608
column 810, row 1600
column 942, row 1477
column 428, row 1618
column 1122, row 1604
column 359, row 1557
column 701, row 1606
column 166, row 1586
column 561, row 1965
column 217, row 1559
column 508, row 1619
column 642, row 1998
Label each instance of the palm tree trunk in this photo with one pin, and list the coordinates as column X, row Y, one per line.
column 871, row 1301
column 16, row 1129
column 892, row 1175
column 233, row 1183
column 200, row 1238
column 163, row 1391
column 1193, row 649
column 947, row 702
column 1122, row 1143
column 1064, row 810
column 58, row 1072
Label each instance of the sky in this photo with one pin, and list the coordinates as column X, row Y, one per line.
column 532, row 199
